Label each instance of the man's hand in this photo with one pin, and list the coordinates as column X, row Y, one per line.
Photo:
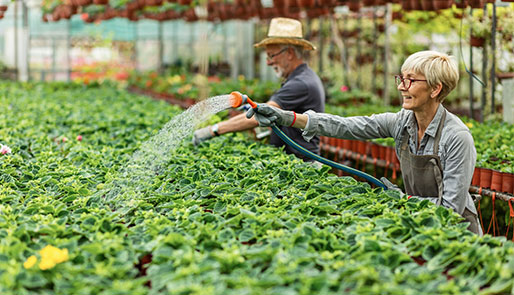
column 391, row 186
column 202, row 135
column 266, row 115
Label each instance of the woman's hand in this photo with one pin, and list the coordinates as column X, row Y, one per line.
column 266, row 115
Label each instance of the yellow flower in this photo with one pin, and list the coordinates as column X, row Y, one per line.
column 240, row 77
column 469, row 124
column 51, row 255
column 30, row 262
column 46, row 264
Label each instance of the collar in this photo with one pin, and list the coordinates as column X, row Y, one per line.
column 412, row 125
column 432, row 127
column 296, row 71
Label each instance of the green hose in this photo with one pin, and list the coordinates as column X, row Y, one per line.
column 328, row 162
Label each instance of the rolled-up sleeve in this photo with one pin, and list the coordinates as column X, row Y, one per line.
column 460, row 156
column 359, row 127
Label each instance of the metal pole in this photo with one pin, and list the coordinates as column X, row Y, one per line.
column 471, row 75
column 346, row 68
column 160, row 48
column 68, row 48
column 25, row 26
column 359, row 52
column 388, row 20
column 134, row 57
column 54, row 49
column 484, row 76
column 493, row 52
column 224, row 47
column 375, row 37
column 16, row 39
column 320, row 52
column 29, row 37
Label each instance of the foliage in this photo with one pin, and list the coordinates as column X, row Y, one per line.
column 338, row 95
column 228, row 217
column 494, row 142
column 182, row 85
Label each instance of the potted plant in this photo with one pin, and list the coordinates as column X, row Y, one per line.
column 480, row 30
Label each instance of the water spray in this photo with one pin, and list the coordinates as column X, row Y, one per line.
column 237, row 99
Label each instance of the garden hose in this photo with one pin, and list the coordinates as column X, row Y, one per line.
column 237, row 99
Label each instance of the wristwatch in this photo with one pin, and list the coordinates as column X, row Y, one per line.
column 214, row 129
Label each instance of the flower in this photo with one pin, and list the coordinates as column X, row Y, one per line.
column 30, row 262
column 4, row 149
column 469, row 124
column 51, row 256
column 344, row 88
column 64, row 139
column 79, row 137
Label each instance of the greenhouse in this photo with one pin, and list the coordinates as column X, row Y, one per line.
column 256, row 147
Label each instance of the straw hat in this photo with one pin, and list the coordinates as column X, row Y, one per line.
column 286, row 31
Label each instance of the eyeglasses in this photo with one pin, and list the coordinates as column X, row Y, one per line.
column 271, row 56
column 407, row 82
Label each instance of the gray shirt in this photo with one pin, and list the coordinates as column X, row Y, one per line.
column 301, row 91
column 456, row 147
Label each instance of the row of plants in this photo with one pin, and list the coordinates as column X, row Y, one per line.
column 230, row 216
column 182, row 84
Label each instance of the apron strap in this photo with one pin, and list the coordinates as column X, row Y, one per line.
column 438, row 133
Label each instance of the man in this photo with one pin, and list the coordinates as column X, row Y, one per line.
column 301, row 90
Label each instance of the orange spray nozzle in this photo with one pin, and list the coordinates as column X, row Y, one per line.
column 237, row 99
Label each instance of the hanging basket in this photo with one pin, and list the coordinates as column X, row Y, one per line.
column 476, row 41
column 354, row 6
column 476, row 3
column 441, row 4
column 427, row 5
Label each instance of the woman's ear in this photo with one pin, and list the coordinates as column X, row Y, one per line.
column 436, row 90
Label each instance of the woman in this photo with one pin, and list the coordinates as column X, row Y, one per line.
column 436, row 150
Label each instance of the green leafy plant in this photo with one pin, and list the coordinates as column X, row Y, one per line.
column 229, row 216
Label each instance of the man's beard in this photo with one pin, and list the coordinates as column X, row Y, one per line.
column 279, row 72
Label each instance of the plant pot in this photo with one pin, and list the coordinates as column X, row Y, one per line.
column 476, row 41
column 382, row 152
column 427, row 5
column 3, row 7
column 306, row 3
column 374, row 150
column 485, row 177
column 476, row 177
column 354, row 6
column 496, row 180
column 397, row 15
column 416, row 5
column 461, row 3
column 476, row 3
column 362, row 147
column 508, row 183
column 406, row 5
column 441, row 4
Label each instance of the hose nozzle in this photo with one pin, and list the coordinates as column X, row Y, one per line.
column 237, row 99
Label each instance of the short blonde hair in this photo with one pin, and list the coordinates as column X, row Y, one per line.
column 437, row 68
